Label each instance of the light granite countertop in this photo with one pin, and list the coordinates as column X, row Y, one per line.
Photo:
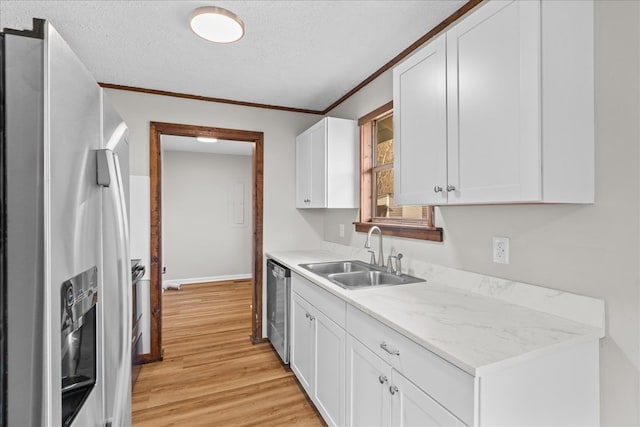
column 475, row 332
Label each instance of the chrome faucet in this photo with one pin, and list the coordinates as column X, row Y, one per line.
column 367, row 245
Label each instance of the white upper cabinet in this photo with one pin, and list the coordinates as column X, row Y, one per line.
column 326, row 165
column 519, row 109
column 420, row 103
column 303, row 169
column 494, row 104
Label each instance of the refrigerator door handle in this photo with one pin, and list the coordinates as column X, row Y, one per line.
column 109, row 173
column 104, row 159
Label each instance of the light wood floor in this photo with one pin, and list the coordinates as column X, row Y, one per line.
column 211, row 373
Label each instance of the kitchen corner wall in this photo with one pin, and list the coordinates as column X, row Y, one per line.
column 285, row 227
column 591, row 250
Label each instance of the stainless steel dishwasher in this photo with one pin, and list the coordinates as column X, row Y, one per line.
column 278, row 294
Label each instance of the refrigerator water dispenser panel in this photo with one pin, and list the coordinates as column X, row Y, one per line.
column 78, row 297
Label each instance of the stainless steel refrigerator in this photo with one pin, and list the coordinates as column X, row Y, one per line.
column 65, row 269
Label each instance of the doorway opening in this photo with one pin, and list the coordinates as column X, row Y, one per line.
column 157, row 129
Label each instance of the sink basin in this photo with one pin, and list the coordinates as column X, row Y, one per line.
column 366, row 278
column 358, row 274
column 327, row 268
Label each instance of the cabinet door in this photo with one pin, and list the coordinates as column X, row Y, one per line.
column 493, row 78
column 330, row 384
column 420, row 129
column 318, row 165
column 302, row 342
column 411, row 406
column 368, row 398
column 303, row 170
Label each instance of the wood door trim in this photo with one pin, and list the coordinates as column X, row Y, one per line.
column 155, row 174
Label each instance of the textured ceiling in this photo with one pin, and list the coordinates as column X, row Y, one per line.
column 186, row 143
column 301, row 54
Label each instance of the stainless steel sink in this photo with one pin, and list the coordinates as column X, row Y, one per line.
column 327, row 268
column 358, row 274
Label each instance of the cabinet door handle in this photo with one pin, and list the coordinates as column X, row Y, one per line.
column 437, row 189
column 393, row 389
column 310, row 317
column 382, row 379
column 451, row 188
column 392, row 351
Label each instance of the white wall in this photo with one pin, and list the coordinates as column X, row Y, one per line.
column 202, row 237
column 284, row 226
column 592, row 249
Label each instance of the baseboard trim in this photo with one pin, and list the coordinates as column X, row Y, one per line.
column 194, row 280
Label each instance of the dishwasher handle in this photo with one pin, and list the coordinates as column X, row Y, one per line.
column 278, row 271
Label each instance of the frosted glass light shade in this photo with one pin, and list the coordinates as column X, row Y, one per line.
column 207, row 140
column 216, row 24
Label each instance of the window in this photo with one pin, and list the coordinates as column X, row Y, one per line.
column 377, row 205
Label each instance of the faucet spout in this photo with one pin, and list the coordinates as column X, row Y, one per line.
column 367, row 244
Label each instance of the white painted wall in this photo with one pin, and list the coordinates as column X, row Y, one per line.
column 591, row 249
column 284, row 226
column 207, row 231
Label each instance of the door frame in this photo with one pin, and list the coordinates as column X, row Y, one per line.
column 155, row 174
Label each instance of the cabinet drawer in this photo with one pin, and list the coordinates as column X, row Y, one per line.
column 444, row 382
column 332, row 306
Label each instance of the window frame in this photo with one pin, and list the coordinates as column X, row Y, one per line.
column 422, row 229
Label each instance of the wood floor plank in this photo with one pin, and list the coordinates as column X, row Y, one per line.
column 211, row 374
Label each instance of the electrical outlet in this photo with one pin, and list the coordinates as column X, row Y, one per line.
column 501, row 250
column 341, row 230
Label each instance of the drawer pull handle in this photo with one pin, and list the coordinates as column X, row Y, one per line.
column 392, row 351
column 382, row 379
column 393, row 389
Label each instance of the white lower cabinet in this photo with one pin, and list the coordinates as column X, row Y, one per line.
column 329, row 393
column 360, row 372
column 302, row 342
column 368, row 398
column 318, row 348
column 411, row 406
column 378, row 395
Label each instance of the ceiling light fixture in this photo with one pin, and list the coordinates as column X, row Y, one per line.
column 216, row 24
column 207, row 140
